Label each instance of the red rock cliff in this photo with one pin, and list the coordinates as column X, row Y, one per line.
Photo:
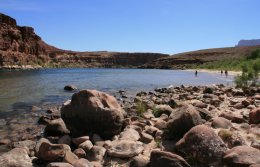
column 21, row 46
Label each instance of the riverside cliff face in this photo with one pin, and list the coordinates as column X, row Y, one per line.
column 21, row 47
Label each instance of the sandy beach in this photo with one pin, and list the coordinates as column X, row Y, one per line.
column 234, row 73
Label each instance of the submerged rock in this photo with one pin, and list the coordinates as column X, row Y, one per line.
column 70, row 87
column 95, row 112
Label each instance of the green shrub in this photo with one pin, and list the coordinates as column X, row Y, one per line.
column 250, row 75
column 231, row 63
column 140, row 108
column 155, row 111
column 225, row 134
column 254, row 55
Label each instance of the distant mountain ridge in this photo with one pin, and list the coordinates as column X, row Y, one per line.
column 188, row 59
column 252, row 42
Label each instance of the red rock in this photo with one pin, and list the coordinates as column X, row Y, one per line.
column 80, row 153
column 82, row 163
column 234, row 117
column 70, row 157
column 59, row 164
column 254, row 116
column 55, row 128
column 17, row 157
column 95, row 112
column 162, row 158
column 96, row 153
column 202, row 144
column 220, row 122
column 50, row 152
column 257, row 97
column 182, row 120
column 200, row 105
column 139, row 161
column 242, row 156
column 125, row 148
column 77, row 141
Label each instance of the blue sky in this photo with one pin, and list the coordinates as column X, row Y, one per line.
column 166, row 26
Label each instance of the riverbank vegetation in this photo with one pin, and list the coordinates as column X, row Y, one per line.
column 233, row 64
column 250, row 67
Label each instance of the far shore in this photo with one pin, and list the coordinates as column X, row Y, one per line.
column 233, row 73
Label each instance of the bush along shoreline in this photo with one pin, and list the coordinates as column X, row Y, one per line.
column 177, row 126
column 230, row 64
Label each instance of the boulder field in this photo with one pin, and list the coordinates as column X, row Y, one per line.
column 186, row 126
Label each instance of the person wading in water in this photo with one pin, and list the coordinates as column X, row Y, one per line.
column 196, row 73
column 226, row 73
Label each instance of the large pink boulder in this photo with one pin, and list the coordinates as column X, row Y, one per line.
column 91, row 111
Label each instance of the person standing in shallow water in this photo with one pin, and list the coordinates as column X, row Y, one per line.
column 196, row 73
column 226, row 73
column 221, row 72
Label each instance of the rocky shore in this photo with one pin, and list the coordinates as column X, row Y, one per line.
column 177, row 126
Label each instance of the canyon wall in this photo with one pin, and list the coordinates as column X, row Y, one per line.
column 21, row 47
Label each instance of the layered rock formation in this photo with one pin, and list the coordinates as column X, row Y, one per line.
column 21, row 47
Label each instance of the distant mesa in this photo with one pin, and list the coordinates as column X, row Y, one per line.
column 252, row 42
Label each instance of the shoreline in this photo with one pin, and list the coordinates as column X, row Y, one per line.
column 151, row 122
column 233, row 73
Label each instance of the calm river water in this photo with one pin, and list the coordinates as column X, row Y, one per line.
column 19, row 90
